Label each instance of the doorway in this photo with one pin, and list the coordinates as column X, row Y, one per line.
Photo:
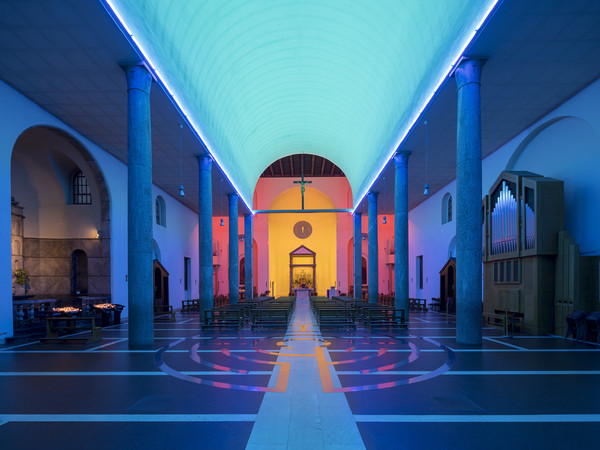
column 303, row 269
column 161, row 285
column 448, row 286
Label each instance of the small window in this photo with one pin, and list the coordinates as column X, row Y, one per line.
column 447, row 208
column 420, row 271
column 81, row 189
column 161, row 218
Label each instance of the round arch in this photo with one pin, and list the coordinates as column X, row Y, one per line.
column 42, row 162
column 566, row 148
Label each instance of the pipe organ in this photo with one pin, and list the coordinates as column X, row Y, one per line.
column 522, row 215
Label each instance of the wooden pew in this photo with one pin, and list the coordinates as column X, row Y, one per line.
column 273, row 313
column 193, row 305
column 271, row 317
column 503, row 319
column 165, row 309
column 335, row 316
column 62, row 329
column 385, row 317
column 223, row 318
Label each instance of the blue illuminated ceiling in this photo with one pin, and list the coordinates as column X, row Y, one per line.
column 260, row 80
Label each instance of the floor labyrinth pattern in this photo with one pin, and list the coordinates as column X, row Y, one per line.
column 384, row 353
column 415, row 388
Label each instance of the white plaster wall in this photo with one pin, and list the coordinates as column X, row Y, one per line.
column 177, row 240
column 564, row 144
column 38, row 189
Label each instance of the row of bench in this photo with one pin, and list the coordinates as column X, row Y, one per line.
column 348, row 312
column 505, row 319
column 262, row 312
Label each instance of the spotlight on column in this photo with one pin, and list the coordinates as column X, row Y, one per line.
column 426, row 191
column 222, row 223
column 384, row 219
column 181, row 193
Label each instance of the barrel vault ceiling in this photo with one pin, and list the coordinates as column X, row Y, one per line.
column 256, row 81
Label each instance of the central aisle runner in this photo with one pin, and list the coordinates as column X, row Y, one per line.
column 304, row 417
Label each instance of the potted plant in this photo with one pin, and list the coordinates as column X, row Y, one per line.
column 22, row 279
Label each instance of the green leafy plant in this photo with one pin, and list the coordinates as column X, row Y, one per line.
column 22, row 278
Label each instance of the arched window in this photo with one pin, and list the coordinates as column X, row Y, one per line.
column 447, row 208
column 161, row 212
column 80, row 189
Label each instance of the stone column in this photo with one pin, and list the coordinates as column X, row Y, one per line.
column 234, row 274
column 468, row 204
column 357, row 255
column 248, row 256
column 139, row 208
column 401, row 231
column 373, row 274
column 205, row 233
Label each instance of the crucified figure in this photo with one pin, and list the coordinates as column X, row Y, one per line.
column 302, row 182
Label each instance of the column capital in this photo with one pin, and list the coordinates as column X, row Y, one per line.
column 233, row 195
column 372, row 196
column 401, row 158
column 204, row 162
column 468, row 71
column 138, row 76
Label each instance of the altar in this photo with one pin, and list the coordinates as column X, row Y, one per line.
column 302, row 272
column 302, row 293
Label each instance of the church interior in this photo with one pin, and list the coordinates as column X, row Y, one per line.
column 299, row 224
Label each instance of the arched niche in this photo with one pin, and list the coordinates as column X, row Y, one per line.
column 566, row 148
column 79, row 272
column 43, row 161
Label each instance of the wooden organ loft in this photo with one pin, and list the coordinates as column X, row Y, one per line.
column 522, row 216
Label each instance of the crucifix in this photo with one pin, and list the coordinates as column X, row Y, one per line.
column 302, row 183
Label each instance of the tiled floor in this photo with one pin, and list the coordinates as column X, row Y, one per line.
column 302, row 388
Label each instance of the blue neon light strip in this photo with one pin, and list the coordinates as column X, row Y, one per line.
column 439, row 84
column 118, row 18
column 257, row 69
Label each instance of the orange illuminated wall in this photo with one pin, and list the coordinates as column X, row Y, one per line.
column 322, row 238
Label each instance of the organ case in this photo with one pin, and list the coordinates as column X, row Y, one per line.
column 523, row 214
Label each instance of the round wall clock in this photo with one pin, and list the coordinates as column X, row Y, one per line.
column 302, row 229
